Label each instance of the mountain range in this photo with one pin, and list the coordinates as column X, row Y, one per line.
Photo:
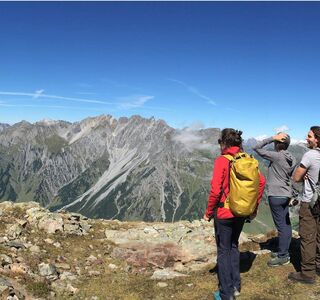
column 127, row 168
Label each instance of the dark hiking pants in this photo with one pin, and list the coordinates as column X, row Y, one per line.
column 280, row 213
column 227, row 232
column 309, row 231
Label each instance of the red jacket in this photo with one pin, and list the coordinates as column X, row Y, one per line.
column 220, row 185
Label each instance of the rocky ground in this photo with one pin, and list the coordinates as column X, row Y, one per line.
column 46, row 255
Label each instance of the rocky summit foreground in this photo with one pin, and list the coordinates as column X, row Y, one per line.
column 64, row 255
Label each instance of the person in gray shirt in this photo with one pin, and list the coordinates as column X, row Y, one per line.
column 279, row 191
column 309, row 222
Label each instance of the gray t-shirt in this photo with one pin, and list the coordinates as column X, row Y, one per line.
column 311, row 161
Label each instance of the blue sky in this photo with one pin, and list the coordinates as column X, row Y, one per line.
column 254, row 66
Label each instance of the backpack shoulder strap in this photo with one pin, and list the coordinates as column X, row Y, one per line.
column 228, row 157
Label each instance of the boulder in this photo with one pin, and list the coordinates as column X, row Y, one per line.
column 166, row 274
column 51, row 223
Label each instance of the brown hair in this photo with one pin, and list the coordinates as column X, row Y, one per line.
column 316, row 132
column 231, row 137
column 282, row 145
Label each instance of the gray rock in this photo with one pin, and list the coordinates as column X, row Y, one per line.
column 34, row 249
column 3, row 239
column 90, row 260
column 68, row 276
column 14, row 231
column 16, row 244
column 5, row 282
column 57, row 244
column 4, row 291
column 48, row 270
column 73, row 228
column 150, row 230
column 72, row 289
column 166, row 274
column 5, row 260
column 162, row 284
column 94, row 273
column 85, row 227
column 51, row 223
column 112, row 266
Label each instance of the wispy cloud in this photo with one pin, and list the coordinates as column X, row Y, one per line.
column 194, row 91
column 40, row 94
column 282, row 128
column 134, row 101
column 3, row 104
column 191, row 138
column 121, row 103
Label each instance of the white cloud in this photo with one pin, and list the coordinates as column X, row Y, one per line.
column 261, row 137
column 3, row 104
column 135, row 101
column 282, row 128
column 39, row 94
column 191, row 139
column 194, row 91
column 212, row 103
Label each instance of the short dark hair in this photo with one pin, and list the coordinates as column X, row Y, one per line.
column 316, row 132
column 231, row 137
column 280, row 146
column 283, row 145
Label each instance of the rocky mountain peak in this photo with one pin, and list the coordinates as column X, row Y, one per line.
column 4, row 126
column 126, row 168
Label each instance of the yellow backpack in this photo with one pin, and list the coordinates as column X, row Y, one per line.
column 244, row 184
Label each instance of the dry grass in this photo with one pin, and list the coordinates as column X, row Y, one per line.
column 258, row 280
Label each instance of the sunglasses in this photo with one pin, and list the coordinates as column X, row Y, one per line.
column 219, row 141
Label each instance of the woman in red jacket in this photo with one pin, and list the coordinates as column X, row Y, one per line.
column 227, row 226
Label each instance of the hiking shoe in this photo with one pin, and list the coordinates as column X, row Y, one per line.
column 279, row 261
column 216, row 296
column 274, row 254
column 236, row 292
column 298, row 276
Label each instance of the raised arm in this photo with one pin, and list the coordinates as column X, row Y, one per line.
column 267, row 154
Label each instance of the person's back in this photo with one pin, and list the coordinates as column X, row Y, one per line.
column 279, row 191
column 282, row 164
column 227, row 226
